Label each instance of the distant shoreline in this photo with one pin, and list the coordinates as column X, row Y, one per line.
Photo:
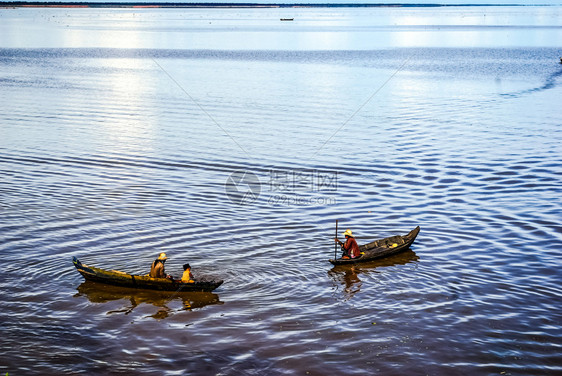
column 55, row 4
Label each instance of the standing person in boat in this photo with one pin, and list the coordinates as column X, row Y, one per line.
column 187, row 277
column 350, row 247
column 157, row 268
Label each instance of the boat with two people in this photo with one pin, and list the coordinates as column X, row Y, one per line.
column 118, row 278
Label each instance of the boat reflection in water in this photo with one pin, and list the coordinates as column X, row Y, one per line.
column 102, row 293
column 348, row 275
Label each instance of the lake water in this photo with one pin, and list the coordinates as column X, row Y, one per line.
column 233, row 141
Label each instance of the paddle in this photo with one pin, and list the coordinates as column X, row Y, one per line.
column 336, row 245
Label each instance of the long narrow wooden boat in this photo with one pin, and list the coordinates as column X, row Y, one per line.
column 381, row 248
column 117, row 278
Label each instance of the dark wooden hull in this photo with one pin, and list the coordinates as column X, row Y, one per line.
column 140, row 281
column 381, row 248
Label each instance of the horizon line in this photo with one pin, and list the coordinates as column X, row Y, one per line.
column 160, row 4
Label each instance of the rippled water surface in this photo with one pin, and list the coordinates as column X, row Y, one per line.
column 233, row 141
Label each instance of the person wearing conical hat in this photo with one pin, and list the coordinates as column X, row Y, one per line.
column 350, row 248
column 157, row 268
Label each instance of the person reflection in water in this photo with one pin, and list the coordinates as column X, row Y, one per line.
column 352, row 282
column 157, row 268
column 350, row 248
column 348, row 277
column 187, row 277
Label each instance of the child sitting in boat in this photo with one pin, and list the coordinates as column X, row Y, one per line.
column 187, row 277
column 350, row 247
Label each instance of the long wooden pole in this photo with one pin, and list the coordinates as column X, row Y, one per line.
column 336, row 248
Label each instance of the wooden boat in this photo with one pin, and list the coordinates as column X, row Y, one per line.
column 117, row 278
column 381, row 248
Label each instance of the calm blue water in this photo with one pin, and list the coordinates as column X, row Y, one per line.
column 233, row 141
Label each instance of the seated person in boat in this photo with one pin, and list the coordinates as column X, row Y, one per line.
column 187, row 277
column 157, row 268
column 350, row 247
